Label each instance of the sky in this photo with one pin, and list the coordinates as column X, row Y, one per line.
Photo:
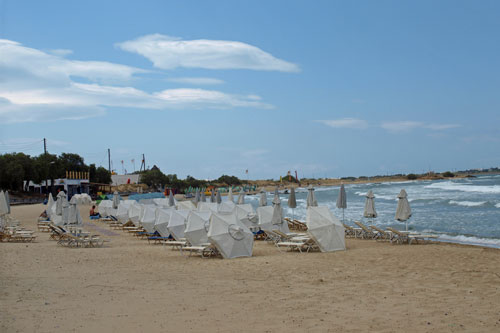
column 205, row 88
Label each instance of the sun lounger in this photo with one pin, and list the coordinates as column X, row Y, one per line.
column 366, row 233
column 301, row 246
column 401, row 237
column 352, row 232
column 205, row 250
column 381, row 234
column 176, row 245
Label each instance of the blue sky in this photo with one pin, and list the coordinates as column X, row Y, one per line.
column 202, row 88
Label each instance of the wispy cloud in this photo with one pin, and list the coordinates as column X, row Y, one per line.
column 401, row 126
column 61, row 52
column 38, row 86
column 196, row 80
column 439, row 127
column 345, row 123
column 168, row 52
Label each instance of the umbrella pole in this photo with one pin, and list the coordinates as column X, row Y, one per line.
column 342, row 215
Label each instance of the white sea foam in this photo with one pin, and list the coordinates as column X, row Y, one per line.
column 471, row 240
column 497, row 205
column 452, row 186
column 467, row 203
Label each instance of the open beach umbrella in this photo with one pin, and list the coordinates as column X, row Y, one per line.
column 177, row 223
column 230, row 195
column 263, row 199
column 342, row 200
column 203, row 197
column 241, row 197
column 292, row 201
column 187, row 205
column 247, row 215
column 197, row 227
column 325, row 229
column 122, row 211
column 219, row 199
column 197, row 196
column 148, row 218
column 116, row 200
column 403, row 211
column 171, row 201
column 311, row 198
column 370, row 206
column 230, row 236
column 212, row 196
column 161, row 221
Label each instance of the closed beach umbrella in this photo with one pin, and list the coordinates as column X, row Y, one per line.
column 219, row 199
column 342, row 200
column 50, row 203
column 403, row 211
column 59, row 203
column 230, row 236
column 171, row 201
column 370, row 206
column 292, row 201
column 197, row 196
column 241, row 197
column 203, row 197
column 4, row 210
column 7, row 200
column 230, row 195
column 276, row 199
column 74, row 216
column 311, row 198
column 263, row 199
column 277, row 219
column 116, row 200
column 212, row 196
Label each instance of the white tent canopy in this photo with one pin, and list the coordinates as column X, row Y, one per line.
column 325, row 229
column 161, row 221
column 177, row 223
column 197, row 227
column 231, row 237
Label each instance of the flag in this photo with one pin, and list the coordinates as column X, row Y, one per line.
column 246, row 171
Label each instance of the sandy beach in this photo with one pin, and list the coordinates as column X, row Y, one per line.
column 131, row 286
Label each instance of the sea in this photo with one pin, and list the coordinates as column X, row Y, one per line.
column 465, row 210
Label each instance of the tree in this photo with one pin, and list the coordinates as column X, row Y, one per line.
column 102, row 176
column 154, row 178
column 229, row 180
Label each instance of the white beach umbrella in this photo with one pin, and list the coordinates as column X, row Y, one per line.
column 161, row 221
column 342, row 200
column 263, row 199
column 197, row 227
column 65, row 211
column 106, row 208
column 50, row 203
column 7, row 200
column 197, row 197
column 122, row 211
column 134, row 213
column 325, row 229
column 403, row 211
column 292, row 201
column 171, row 201
column 276, row 199
column 186, row 205
column 203, row 197
column 311, row 198
column 241, row 197
column 230, row 194
column 277, row 219
column 61, row 196
column 219, row 198
column 231, row 237
column 74, row 216
column 369, row 211
column 208, row 206
column 4, row 210
column 177, row 223
column 116, row 200
column 148, row 218
column 247, row 215
column 226, row 207
column 212, row 196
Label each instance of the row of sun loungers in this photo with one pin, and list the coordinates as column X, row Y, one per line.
column 391, row 235
column 17, row 234
column 74, row 238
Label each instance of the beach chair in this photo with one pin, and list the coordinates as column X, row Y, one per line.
column 301, row 226
column 398, row 236
column 205, row 250
column 176, row 244
column 352, row 232
column 366, row 233
column 381, row 234
column 301, row 246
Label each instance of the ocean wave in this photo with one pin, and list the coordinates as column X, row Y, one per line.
column 452, row 186
column 471, row 240
column 467, row 203
column 497, row 205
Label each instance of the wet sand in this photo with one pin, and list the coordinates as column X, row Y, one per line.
column 131, row 286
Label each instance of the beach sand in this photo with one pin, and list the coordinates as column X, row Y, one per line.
column 131, row 286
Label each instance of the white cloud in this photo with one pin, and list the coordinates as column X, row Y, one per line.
column 401, row 126
column 196, row 80
column 60, row 52
column 170, row 52
column 438, row 127
column 346, row 123
column 37, row 86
